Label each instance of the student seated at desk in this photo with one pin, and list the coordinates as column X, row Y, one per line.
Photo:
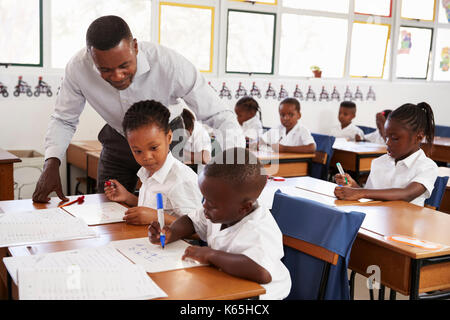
column 405, row 172
column 379, row 135
column 290, row 136
column 243, row 238
column 246, row 109
column 198, row 146
column 146, row 128
column 346, row 129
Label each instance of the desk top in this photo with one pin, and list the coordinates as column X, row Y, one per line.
column 442, row 141
column 7, row 157
column 87, row 145
column 360, row 147
column 209, row 282
column 264, row 155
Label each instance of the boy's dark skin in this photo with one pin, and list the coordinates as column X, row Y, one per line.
column 345, row 116
column 224, row 203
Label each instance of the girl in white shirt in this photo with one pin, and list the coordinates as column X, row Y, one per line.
column 379, row 135
column 246, row 109
column 290, row 136
column 405, row 172
column 146, row 128
column 198, row 146
column 243, row 238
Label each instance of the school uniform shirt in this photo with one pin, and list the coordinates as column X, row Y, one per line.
column 258, row 237
column 199, row 140
column 176, row 182
column 386, row 174
column 375, row 137
column 298, row 136
column 348, row 132
column 252, row 128
column 162, row 75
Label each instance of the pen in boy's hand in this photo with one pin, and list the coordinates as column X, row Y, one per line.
column 160, row 211
column 341, row 171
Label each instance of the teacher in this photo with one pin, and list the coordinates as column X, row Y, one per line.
column 113, row 72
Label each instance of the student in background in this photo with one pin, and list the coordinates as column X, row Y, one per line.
column 405, row 172
column 198, row 146
column 346, row 129
column 146, row 128
column 243, row 238
column 379, row 135
column 290, row 136
column 246, row 110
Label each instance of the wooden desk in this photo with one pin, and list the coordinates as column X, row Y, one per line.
column 286, row 164
column 356, row 156
column 440, row 150
column 192, row 283
column 445, row 204
column 406, row 269
column 77, row 155
column 7, row 174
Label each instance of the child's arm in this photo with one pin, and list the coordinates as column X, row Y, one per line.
column 117, row 192
column 238, row 265
column 340, row 180
column 409, row 193
column 145, row 215
column 309, row 148
column 179, row 229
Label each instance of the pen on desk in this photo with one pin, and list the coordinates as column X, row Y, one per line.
column 160, row 211
column 341, row 171
column 80, row 199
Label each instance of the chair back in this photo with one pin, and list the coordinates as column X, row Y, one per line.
column 442, row 131
column 324, row 152
column 434, row 201
column 367, row 130
column 320, row 270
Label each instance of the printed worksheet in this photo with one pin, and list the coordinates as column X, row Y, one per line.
column 46, row 225
column 153, row 257
column 82, row 283
column 100, row 213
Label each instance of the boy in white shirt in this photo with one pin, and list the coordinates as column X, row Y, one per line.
column 379, row 135
column 146, row 128
column 404, row 173
column 243, row 238
column 290, row 136
column 197, row 149
column 346, row 129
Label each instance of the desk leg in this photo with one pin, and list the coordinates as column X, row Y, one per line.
column 415, row 279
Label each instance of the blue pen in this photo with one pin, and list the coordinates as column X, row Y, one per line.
column 160, row 211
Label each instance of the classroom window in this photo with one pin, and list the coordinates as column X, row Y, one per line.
column 418, row 9
column 71, row 18
column 444, row 11
column 188, row 29
column 442, row 57
column 375, row 7
column 413, row 52
column 250, row 42
column 368, row 49
column 21, row 35
column 259, row 1
column 310, row 40
column 339, row 6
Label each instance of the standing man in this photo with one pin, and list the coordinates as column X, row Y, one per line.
column 111, row 73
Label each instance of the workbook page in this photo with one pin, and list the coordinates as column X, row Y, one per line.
column 99, row 213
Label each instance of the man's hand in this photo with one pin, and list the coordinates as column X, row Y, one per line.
column 49, row 181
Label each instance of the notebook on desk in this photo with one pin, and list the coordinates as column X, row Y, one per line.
column 99, row 213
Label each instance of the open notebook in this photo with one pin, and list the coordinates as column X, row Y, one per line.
column 99, row 213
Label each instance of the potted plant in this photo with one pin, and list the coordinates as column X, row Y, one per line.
column 317, row 72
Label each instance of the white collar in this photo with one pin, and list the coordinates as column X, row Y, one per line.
column 160, row 175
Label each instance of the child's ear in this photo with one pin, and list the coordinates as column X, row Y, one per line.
column 419, row 137
column 169, row 137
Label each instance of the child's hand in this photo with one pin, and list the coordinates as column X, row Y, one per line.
column 347, row 193
column 154, row 231
column 340, row 180
column 140, row 215
column 275, row 147
column 200, row 254
column 358, row 138
column 114, row 191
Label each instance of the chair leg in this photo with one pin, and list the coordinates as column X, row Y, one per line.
column 392, row 295
column 381, row 292
column 371, row 294
column 352, row 285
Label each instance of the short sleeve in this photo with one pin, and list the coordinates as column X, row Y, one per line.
column 185, row 197
column 426, row 176
column 306, row 137
column 200, row 223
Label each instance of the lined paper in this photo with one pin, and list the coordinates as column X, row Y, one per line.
column 46, row 225
column 100, row 213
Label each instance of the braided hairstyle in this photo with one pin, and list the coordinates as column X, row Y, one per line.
column 188, row 119
column 418, row 118
column 144, row 113
column 249, row 104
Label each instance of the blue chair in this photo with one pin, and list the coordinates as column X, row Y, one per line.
column 324, row 152
column 317, row 243
column 366, row 130
column 434, row 201
column 442, row 131
column 266, row 129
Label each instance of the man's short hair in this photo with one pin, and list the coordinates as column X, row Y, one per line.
column 106, row 32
